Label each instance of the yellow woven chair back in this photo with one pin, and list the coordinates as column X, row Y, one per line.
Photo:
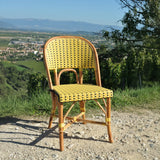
column 69, row 52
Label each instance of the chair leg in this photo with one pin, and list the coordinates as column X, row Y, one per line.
column 54, row 105
column 61, row 125
column 82, row 109
column 108, row 119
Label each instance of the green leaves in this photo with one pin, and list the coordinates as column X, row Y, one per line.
column 37, row 82
column 134, row 59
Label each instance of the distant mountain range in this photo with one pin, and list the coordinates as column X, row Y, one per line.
column 52, row 25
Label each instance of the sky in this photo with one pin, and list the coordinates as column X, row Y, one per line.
column 106, row 12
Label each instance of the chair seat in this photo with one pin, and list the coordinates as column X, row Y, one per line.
column 79, row 92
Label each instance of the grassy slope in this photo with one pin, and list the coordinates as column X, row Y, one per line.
column 33, row 65
column 36, row 66
column 128, row 100
column 10, row 64
column 131, row 99
column 30, row 66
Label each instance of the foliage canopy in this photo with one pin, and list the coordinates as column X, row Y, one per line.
column 137, row 45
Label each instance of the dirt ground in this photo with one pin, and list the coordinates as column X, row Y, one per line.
column 136, row 137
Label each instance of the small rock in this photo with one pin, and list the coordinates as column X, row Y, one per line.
column 93, row 138
column 151, row 145
column 123, row 141
column 82, row 132
column 70, row 146
column 73, row 135
column 46, row 143
column 31, row 138
column 152, row 141
column 54, row 156
column 146, row 136
column 143, row 144
column 89, row 128
column 78, row 135
column 104, row 137
column 99, row 157
column 110, row 158
column 140, row 130
column 156, row 122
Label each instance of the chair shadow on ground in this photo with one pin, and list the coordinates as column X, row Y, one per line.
column 26, row 125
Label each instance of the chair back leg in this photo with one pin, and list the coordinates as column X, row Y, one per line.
column 61, row 125
column 108, row 119
column 54, row 105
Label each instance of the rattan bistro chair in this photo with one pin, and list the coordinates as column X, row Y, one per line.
column 69, row 53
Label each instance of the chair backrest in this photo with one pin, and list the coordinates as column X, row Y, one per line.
column 66, row 52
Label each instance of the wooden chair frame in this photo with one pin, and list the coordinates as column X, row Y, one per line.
column 79, row 78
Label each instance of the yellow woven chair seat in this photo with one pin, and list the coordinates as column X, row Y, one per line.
column 79, row 92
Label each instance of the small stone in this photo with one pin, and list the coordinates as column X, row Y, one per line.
column 110, row 158
column 70, row 146
column 93, row 138
column 155, row 158
column 54, row 156
column 78, row 135
column 140, row 130
column 89, row 129
column 102, row 115
column 46, row 143
column 146, row 136
column 151, row 145
column 82, row 132
column 73, row 135
column 143, row 144
column 99, row 157
column 155, row 122
column 123, row 141
column 152, row 141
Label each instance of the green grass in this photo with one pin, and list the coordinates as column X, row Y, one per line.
column 11, row 64
column 21, row 106
column 128, row 100
column 133, row 99
column 35, row 66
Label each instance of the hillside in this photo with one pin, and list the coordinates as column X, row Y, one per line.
column 13, row 79
column 51, row 25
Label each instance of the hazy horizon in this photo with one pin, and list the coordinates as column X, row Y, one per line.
column 103, row 12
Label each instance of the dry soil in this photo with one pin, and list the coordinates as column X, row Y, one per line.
column 136, row 137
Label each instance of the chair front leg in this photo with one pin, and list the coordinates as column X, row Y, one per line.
column 82, row 109
column 61, row 125
column 108, row 119
column 54, row 105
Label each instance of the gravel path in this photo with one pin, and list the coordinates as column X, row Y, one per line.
column 136, row 137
